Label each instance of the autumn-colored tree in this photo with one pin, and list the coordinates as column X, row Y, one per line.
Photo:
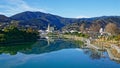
column 112, row 28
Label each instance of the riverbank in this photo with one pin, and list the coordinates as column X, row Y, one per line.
column 112, row 49
column 73, row 37
column 85, row 41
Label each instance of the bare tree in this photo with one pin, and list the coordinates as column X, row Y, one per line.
column 112, row 28
column 82, row 27
column 95, row 27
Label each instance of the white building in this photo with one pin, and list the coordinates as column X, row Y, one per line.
column 50, row 29
column 101, row 31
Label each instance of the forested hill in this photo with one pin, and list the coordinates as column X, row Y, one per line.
column 4, row 18
column 40, row 20
column 94, row 22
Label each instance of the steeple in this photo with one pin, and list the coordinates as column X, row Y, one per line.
column 48, row 28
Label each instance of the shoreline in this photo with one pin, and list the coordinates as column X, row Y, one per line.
column 101, row 47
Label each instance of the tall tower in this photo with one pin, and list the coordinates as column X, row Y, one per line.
column 101, row 31
column 48, row 29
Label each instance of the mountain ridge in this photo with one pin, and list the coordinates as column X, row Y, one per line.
column 41, row 20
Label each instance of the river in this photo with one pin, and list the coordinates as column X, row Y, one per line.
column 54, row 53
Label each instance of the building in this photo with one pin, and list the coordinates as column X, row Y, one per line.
column 101, row 31
column 50, row 29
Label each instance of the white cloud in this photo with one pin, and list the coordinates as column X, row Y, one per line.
column 82, row 17
column 15, row 6
column 2, row 13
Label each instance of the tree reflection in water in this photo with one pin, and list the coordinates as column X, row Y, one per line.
column 38, row 47
column 14, row 48
column 94, row 54
column 46, row 46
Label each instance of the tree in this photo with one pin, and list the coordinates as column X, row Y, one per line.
column 95, row 27
column 82, row 27
column 112, row 28
column 29, row 30
column 12, row 34
column 14, row 23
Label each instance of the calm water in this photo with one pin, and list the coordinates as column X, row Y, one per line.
column 54, row 54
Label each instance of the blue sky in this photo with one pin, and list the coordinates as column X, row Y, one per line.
column 64, row 8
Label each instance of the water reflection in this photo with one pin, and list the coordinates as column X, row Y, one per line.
column 38, row 47
column 13, row 49
column 43, row 47
column 95, row 54
column 50, row 45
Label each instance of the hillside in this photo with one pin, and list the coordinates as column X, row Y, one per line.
column 102, row 21
column 4, row 18
column 40, row 20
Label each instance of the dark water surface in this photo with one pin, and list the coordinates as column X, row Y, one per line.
column 54, row 54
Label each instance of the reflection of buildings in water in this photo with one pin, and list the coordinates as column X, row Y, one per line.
column 49, row 40
column 102, row 50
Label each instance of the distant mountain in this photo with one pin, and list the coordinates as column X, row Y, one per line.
column 4, row 21
column 40, row 20
column 102, row 21
column 4, row 18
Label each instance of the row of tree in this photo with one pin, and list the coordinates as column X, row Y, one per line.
column 12, row 34
column 109, row 28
